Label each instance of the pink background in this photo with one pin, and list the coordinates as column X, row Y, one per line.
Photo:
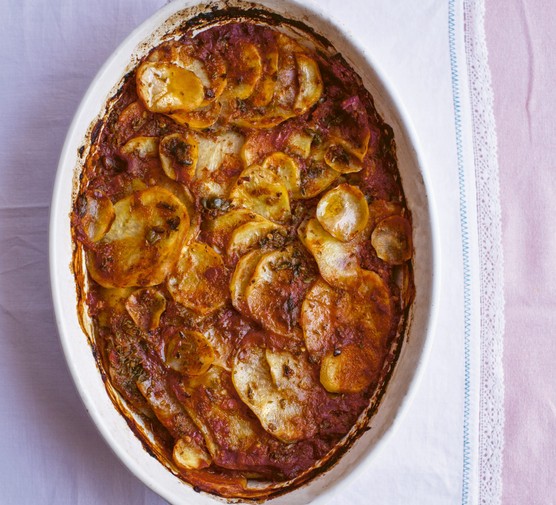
column 521, row 37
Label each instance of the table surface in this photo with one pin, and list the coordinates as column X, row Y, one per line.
column 521, row 41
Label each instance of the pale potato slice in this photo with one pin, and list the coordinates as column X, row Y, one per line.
column 280, row 407
column 144, row 241
column 145, row 306
column 261, row 190
column 245, row 74
column 299, row 143
column 178, row 155
column 220, row 229
column 96, row 214
column 199, row 119
column 341, row 160
column 350, row 369
column 241, row 278
column 199, row 281
column 189, row 456
column 337, row 260
column 189, row 353
column 392, row 240
column 310, row 83
column 264, row 91
column 269, row 295
column 250, row 235
column 164, row 87
column 343, row 212
column 142, row 147
column 286, row 168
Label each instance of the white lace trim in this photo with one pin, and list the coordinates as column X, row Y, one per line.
column 491, row 417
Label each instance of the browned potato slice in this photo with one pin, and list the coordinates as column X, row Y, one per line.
column 199, row 281
column 144, row 241
column 280, row 405
column 261, row 190
column 145, row 306
column 285, row 168
column 164, row 87
column 350, row 369
column 250, row 235
column 392, row 241
column 199, row 119
column 96, row 214
column 188, row 456
column 189, row 353
column 244, row 76
column 178, row 154
column 241, row 278
column 142, row 147
column 310, row 83
column 337, row 261
column 299, row 143
column 220, row 229
column 341, row 160
column 272, row 117
column 269, row 294
column 381, row 209
column 343, row 212
column 264, row 91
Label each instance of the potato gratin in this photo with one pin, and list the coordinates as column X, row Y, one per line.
column 248, row 255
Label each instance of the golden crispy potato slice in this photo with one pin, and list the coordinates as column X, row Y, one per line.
column 286, row 168
column 264, row 91
column 199, row 119
column 188, row 456
column 220, row 229
column 299, row 144
column 317, row 175
column 144, row 241
column 341, row 160
column 287, row 85
column 241, row 278
column 350, row 369
column 381, row 209
column 343, row 212
column 272, row 117
column 337, row 260
column 279, row 406
column 145, row 306
column 189, row 353
column 261, row 190
column 244, row 75
column 178, row 154
column 269, row 294
column 310, row 83
column 199, row 281
column 392, row 240
column 250, row 235
column 142, row 147
column 96, row 214
column 164, row 87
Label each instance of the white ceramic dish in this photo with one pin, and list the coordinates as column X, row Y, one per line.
column 81, row 361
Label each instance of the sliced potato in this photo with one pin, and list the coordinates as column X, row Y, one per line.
column 350, row 369
column 189, row 456
column 250, row 235
column 142, row 147
column 279, row 406
column 144, row 241
column 220, row 229
column 343, row 212
column 178, row 154
column 269, row 295
column 261, row 190
column 189, row 353
column 145, row 306
column 341, row 160
column 96, row 214
column 271, row 117
column 392, row 240
column 241, row 278
column 264, row 91
column 310, row 83
column 299, row 143
column 245, row 73
column 199, row 119
column 285, row 168
column 164, row 87
column 337, row 260
column 199, row 281
column 317, row 177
